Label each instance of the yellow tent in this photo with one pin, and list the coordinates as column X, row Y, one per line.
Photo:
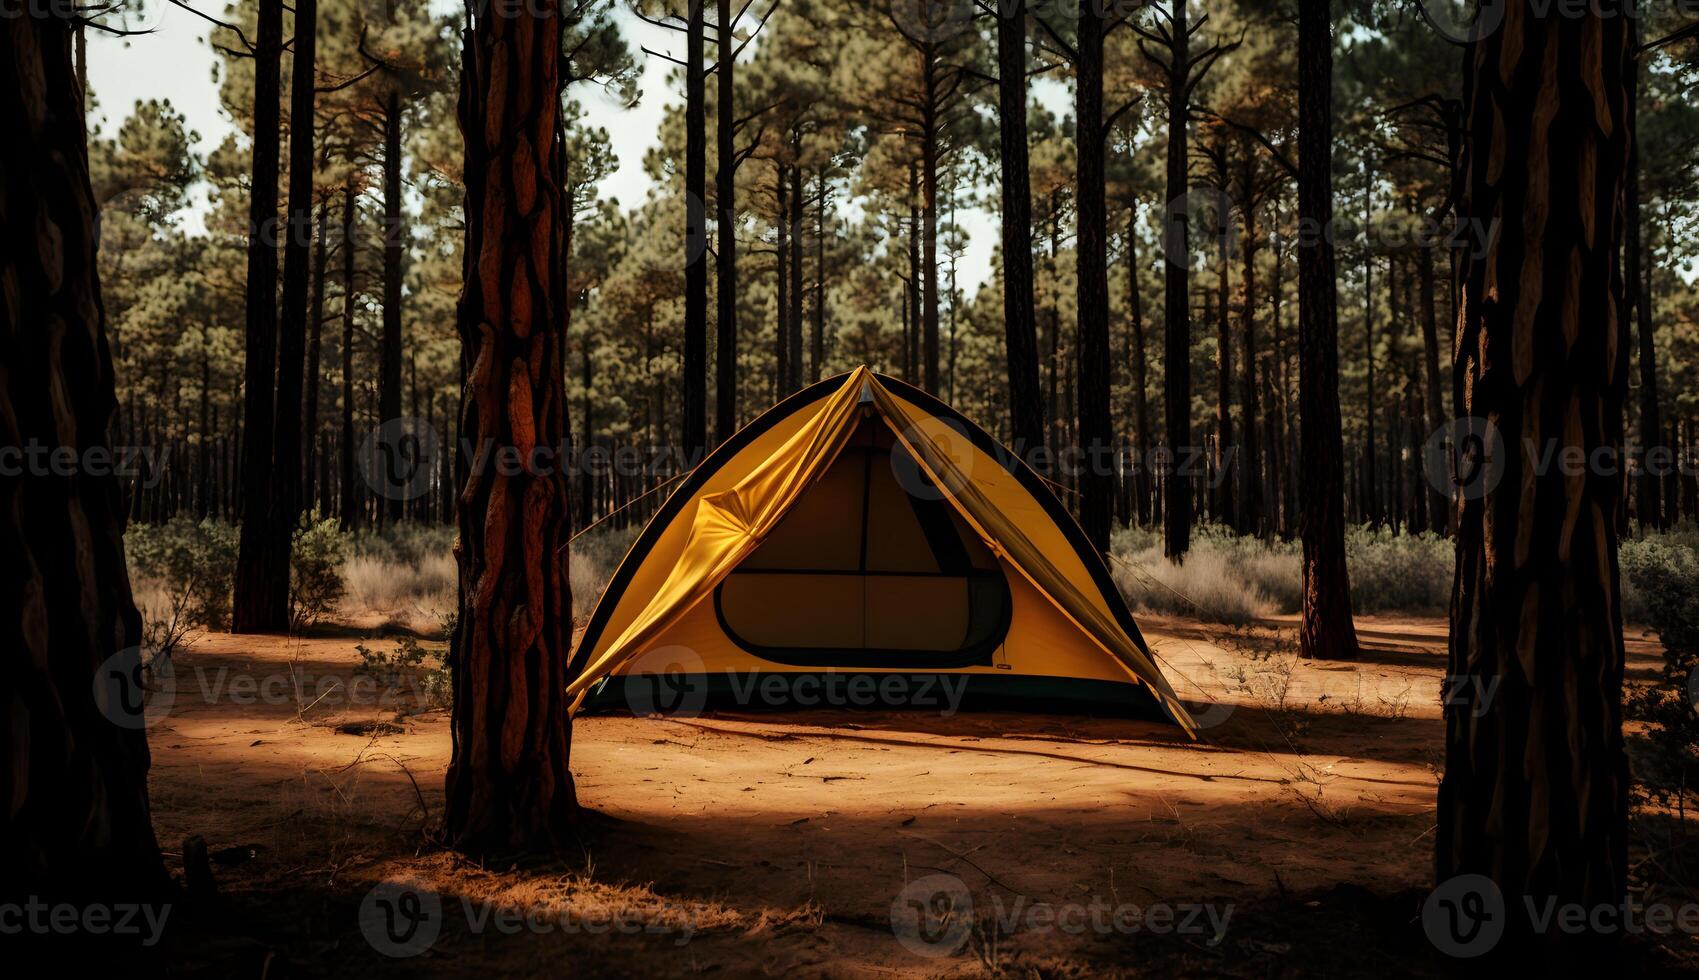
column 861, row 526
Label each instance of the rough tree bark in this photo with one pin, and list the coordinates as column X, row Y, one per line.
column 1535, row 791
column 77, row 827
column 1326, row 630
column 254, row 606
column 508, row 786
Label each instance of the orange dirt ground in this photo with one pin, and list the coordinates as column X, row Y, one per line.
column 775, row 844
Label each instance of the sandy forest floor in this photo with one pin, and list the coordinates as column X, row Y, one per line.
column 1294, row 836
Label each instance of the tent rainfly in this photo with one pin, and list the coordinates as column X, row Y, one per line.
column 863, row 526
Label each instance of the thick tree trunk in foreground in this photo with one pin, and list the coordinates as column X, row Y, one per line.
column 508, row 785
column 1096, row 431
column 254, row 607
column 1177, row 305
column 1535, row 791
column 1326, row 630
column 77, row 825
column 725, row 186
column 1020, row 324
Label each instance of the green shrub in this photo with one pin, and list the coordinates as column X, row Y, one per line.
column 1405, row 573
column 315, row 571
column 1234, row 579
column 409, row 668
column 1664, row 570
column 182, row 572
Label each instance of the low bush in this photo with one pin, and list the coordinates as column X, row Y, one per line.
column 1664, row 571
column 418, row 672
column 181, row 574
column 315, row 571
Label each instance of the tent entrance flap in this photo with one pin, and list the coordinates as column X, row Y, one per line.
column 870, row 569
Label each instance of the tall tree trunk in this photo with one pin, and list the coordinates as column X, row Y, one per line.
column 1439, row 504
column 1020, row 325
column 1096, row 431
column 817, row 359
column 389, row 373
column 798, row 209
column 311, row 472
column 351, row 496
column 725, row 186
column 695, row 387
column 929, row 137
column 911, row 337
column 285, row 473
column 1371, row 488
column 1250, row 503
column 1637, row 272
column 1177, row 307
column 1326, row 630
column 1226, row 509
column 78, row 827
column 782, row 379
column 1535, row 791
column 1141, row 379
column 254, row 606
column 509, row 786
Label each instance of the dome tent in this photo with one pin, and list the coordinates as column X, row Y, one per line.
column 862, row 526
